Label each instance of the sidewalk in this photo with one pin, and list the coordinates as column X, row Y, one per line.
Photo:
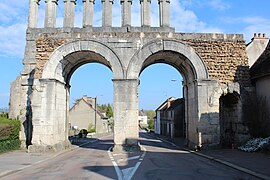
column 17, row 160
column 257, row 164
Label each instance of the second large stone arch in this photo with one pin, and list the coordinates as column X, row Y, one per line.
column 201, row 117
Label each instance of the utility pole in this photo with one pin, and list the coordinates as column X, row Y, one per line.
column 96, row 114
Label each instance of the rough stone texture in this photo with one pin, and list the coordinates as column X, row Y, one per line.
column 223, row 57
column 48, row 148
column 211, row 65
column 226, row 61
column 44, row 48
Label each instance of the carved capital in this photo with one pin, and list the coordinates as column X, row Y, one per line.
column 168, row 1
column 107, row 0
column 55, row 1
column 92, row 1
column 73, row 1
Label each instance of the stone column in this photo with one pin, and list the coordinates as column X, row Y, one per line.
column 126, row 130
column 126, row 12
column 69, row 13
column 164, row 13
column 145, row 13
column 49, row 118
column 88, row 12
column 107, row 13
column 33, row 13
column 50, row 14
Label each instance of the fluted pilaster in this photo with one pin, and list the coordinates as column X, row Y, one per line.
column 33, row 13
column 50, row 14
column 69, row 13
column 88, row 12
column 164, row 13
column 107, row 13
column 126, row 12
column 145, row 12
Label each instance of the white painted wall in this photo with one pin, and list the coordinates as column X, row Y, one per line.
column 157, row 123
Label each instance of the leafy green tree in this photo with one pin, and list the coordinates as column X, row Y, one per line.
column 150, row 114
column 151, row 124
column 109, row 111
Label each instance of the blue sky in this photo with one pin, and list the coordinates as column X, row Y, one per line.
column 224, row 16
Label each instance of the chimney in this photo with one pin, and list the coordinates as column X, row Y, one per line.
column 168, row 103
column 256, row 47
column 259, row 36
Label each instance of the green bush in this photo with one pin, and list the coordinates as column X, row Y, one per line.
column 9, row 134
column 9, row 145
column 91, row 128
column 151, row 124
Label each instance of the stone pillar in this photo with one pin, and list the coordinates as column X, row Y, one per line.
column 145, row 13
column 164, row 13
column 49, row 118
column 69, row 13
column 33, row 13
column 126, row 130
column 126, row 12
column 50, row 14
column 88, row 12
column 107, row 13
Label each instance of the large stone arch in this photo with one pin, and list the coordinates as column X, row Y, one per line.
column 54, row 68
column 201, row 117
column 197, row 65
column 50, row 96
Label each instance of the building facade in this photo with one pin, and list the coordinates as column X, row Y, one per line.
column 170, row 119
column 85, row 115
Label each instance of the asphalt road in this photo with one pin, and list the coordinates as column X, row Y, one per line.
column 158, row 160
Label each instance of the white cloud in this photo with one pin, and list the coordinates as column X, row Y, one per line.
column 13, row 23
column 218, row 4
column 12, row 40
column 249, row 25
column 255, row 25
column 187, row 21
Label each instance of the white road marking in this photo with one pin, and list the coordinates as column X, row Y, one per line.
column 128, row 159
column 128, row 173
column 118, row 171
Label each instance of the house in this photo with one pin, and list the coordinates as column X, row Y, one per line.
column 170, row 118
column 260, row 77
column 85, row 115
column 142, row 119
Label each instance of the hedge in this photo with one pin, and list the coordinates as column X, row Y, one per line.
column 9, row 135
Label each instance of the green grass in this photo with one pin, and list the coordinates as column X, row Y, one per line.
column 9, row 134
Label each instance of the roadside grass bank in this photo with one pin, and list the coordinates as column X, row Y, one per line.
column 9, row 135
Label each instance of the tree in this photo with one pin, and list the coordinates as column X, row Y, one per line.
column 109, row 111
column 150, row 114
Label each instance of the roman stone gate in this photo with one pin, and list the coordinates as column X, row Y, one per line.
column 212, row 66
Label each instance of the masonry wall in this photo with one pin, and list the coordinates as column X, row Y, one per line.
column 224, row 56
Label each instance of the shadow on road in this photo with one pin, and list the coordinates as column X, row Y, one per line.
column 163, row 161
